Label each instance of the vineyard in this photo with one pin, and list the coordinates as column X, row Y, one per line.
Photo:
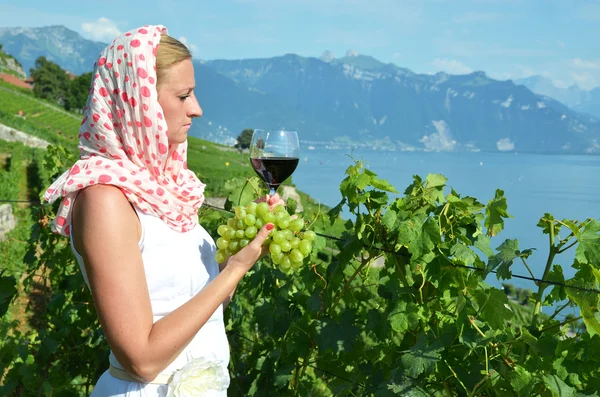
column 423, row 322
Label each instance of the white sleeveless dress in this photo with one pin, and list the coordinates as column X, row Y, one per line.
column 177, row 266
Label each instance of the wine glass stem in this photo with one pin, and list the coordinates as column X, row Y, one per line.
column 272, row 191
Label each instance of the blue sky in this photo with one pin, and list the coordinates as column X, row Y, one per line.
column 558, row 39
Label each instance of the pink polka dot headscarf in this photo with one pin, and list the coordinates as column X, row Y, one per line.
column 123, row 139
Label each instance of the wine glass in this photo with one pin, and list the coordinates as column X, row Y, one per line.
column 274, row 155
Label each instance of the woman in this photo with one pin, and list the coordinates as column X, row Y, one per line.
column 130, row 207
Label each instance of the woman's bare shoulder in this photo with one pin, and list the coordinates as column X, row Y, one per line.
column 105, row 209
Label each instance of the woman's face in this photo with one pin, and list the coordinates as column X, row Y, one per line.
column 177, row 99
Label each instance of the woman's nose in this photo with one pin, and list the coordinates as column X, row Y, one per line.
column 195, row 110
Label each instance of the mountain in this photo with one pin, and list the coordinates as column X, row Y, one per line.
column 355, row 100
column 574, row 97
column 379, row 104
column 57, row 43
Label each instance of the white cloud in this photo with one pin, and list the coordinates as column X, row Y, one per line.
column 505, row 145
column 440, row 141
column 585, row 64
column 103, row 29
column 451, row 66
column 352, row 53
column 189, row 45
column 327, row 56
column 585, row 80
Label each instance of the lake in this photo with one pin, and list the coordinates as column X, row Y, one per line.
column 564, row 185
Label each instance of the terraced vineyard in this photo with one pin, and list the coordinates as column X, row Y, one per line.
column 214, row 164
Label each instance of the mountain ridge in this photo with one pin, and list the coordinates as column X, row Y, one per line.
column 355, row 100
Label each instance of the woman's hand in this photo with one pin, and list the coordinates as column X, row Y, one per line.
column 250, row 254
column 273, row 200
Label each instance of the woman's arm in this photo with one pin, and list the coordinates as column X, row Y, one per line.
column 106, row 233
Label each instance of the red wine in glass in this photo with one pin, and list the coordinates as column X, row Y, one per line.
column 274, row 155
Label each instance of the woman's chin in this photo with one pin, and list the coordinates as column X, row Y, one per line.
column 178, row 140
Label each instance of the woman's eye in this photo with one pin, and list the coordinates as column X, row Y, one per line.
column 183, row 98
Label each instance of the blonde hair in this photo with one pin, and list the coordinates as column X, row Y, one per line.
column 169, row 53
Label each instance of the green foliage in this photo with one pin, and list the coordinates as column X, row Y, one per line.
column 424, row 323
column 50, row 80
column 244, row 139
column 400, row 305
column 56, row 347
column 77, row 92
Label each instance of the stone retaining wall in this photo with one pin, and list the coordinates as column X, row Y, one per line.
column 7, row 220
column 11, row 135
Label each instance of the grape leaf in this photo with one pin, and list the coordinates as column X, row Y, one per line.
column 521, row 380
column 407, row 389
column 434, row 188
column 483, row 244
column 435, row 180
column 586, row 300
column 8, row 290
column 421, row 358
column 508, row 251
column 382, row 184
column 588, row 250
column 335, row 212
column 242, row 191
column 419, row 235
column 291, row 206
column 338, row 336
column 557, row 386
column 495, row 212
column 389, row 219
column 463, row 254
column 558, row 292
column 492, row 307
column 404, row 317
column 362, row 181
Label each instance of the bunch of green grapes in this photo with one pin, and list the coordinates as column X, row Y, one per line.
column 288, row 243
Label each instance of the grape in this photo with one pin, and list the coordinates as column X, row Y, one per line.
column 251, row 208
column 221, row 256
column 279, row 208
column 305, row 247
column 251, row 231
column 296, row 225
column 275, row 249
column 269, row 217
column 278, row 237
column 222, row 230
column 285, row 245
column 262, row 209
column 310, row 235
column 285, row 263
column 250, row 220
column 222, row 243
column 288, row 234
column 295, row 242
column 289, row 245
column 230, row 234
column 283, row 223
column 296, row 255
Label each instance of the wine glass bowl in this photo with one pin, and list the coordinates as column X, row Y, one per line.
column 274, row 155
